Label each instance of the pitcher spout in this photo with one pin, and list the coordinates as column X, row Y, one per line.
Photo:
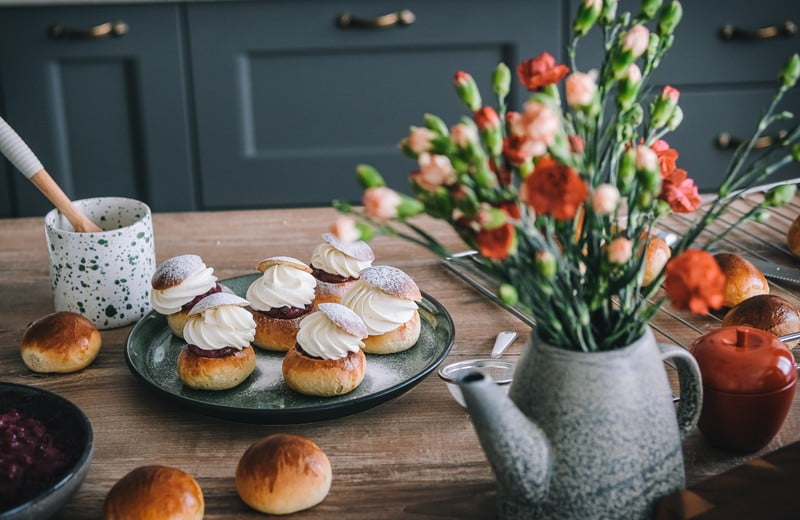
column 517, row 449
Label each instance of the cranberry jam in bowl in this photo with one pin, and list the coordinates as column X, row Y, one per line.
column 46, row 446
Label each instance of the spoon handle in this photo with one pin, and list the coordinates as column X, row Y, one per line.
column 21, row 156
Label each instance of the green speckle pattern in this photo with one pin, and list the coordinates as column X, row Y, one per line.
column 152, row 351
column 103, row 276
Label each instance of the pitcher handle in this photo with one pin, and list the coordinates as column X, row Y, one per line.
column 690, row 384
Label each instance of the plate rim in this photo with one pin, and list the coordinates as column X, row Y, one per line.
column 314, row 413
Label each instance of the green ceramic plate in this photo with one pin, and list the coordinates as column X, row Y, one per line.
column 152, row 352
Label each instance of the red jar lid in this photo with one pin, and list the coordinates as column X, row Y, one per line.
column 743, row 360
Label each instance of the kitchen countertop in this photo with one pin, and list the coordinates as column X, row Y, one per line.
column 414, row 455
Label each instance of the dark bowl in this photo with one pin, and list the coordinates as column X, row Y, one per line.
column 72, row 436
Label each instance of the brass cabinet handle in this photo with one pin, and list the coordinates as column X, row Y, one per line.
column 726, row 141
column 103, row 30
column 729, row 32
column 395, row 19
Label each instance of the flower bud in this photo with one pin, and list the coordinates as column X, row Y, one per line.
column 369, row 177
column 487, row 119
column 467, row 90
column 662, row 208
column 581, row 90
column 650, row 8
column 484, row 177
column 627, row 171
column 409, row 207
column 635, row 115
column 652, row 46
column 790, row 72
column 761, row 216
column 619, row 250
column 675, row 119
column 636, row 40
column 545, row 263
column 646, row 159
column 501, row 80
column 670, row 18
column 650, row 181
column 588, row 12
column 605, row 199
column 462, row 135
column 490, row 217
column 780, row 195
column 419, row 140
column 465, row 200
column 796, row 152
column 345, row 228
column 608, row 13
column 365, row 231
column 508, row 294
column 663, row 106
column 381, row 202
column 435, row 124
column 644, row 200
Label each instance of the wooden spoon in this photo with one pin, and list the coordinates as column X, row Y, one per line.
column 21, row 156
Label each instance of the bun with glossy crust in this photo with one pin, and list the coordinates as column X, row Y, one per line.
column 282, row 474
column 215, row 373
column 61, row 342
column 766, row 312
column 323, row 377
column 742, row 279
column 155, row 493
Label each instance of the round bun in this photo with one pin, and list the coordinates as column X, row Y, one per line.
column 742, row 279
column 766, row 312
column 277, row 334
column 173, row 271
column 392, row 280
column 402, row 338
column 328, row 292
column 282, row 474
column 323, row 377
column 61, row 342
column 655, row 258
column 154, row 493
column 176, row 322
column 220, row 373
column 793, row 236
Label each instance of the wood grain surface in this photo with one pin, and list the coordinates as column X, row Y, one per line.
column 415, row 456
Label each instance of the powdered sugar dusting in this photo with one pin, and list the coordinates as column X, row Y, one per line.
column 217, row 300
column 393, row 281
column 173, row 271
column 283, row 260
column 345, row 319
column 359, row 249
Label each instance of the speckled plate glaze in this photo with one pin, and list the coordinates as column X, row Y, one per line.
column 264, row 398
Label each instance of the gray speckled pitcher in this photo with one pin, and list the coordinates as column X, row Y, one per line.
column 586, row 435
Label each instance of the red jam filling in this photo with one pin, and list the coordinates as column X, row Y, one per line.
column 303, row 352
column 30, row 462
column 218, row 353
column 217, row 288
column 325, row 276
column 287, row 313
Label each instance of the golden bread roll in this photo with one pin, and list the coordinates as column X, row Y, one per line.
column 215, row 373
column 61, row 342
column 655, row 258
column 766, row 312
column 328, row 292
column 323, row 377
column 742, row 279
column 276, row 334
column 282, row 474
column 402, row 338
column 793, row 237
column 155, row 493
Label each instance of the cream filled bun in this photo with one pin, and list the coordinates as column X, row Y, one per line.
column 385, row 298
column 218, row 332
column 327, row 359
column 280, row 298
column 337, row 265
column 178, row 283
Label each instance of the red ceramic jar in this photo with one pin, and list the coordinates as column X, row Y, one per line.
column 749, row 378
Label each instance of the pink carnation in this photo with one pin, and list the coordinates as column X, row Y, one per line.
column 636, row 40
column 419, row 140
column 344, row 227
column 434, row 171
column 620, row 250
column 381, row 202
column 581, row 89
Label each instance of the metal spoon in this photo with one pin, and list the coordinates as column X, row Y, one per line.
column 502, row 342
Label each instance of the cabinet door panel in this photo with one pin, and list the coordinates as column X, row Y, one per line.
column 106, row 116
column 288, row 104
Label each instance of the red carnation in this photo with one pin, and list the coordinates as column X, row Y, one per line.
column 541, row 71
column 496, row 243
column 680, row 192
column 695, row 281
column 554, row 189
column 487, row 119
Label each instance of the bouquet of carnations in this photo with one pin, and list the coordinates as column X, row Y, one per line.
column 561, row 198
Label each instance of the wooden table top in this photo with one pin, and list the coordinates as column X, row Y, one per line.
column 416, row 455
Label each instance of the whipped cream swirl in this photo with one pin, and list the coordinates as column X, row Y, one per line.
column 170, row 301
column 320, row 337
column 220, row 327
column 281, row 286
column 333, row 261
column 380, row 311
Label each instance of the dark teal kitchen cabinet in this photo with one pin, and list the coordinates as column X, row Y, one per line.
column 288, row 101
column 106, row 113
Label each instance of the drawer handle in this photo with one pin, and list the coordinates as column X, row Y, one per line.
column 787, row 28
column 103, row 30
column 726, row 141
column 395, row 19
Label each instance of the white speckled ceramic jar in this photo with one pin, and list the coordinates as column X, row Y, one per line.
column 104, row 276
